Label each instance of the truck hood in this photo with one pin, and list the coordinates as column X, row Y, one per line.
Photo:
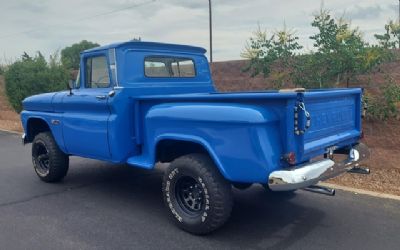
column 41, row 102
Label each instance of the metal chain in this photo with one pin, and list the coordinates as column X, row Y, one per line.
column 302, row 107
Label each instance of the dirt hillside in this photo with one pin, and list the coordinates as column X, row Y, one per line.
column 230, row 76
column 9, row 120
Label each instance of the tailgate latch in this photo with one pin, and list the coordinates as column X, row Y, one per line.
column 300, row 107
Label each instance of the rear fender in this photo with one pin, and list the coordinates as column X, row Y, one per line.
column 194, row 139
column 243, row 140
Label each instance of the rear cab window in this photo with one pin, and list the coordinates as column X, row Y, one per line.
column 169, row 67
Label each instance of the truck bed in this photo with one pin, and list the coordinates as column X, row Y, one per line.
column 335, row 115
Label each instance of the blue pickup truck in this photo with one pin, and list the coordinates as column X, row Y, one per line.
column 141, row 103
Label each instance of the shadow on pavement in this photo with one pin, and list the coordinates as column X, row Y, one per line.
column 259, row 219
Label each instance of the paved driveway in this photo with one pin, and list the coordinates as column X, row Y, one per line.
column 103, row 206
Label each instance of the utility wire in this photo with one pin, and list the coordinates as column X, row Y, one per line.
column 80, row 19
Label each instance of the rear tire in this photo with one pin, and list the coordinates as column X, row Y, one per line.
column 197, row 196
column 49, row 162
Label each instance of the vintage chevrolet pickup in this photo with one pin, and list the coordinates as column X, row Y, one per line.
column 141, row 103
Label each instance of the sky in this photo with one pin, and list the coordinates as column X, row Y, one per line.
column 50, row 25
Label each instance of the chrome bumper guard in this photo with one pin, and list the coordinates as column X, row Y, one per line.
column 312, row 173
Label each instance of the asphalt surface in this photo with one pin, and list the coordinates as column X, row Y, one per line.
column 103, row 206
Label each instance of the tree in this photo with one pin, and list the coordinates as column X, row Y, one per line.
column 272, row 55
column 341, row 48
column 70, row 56
column 310, row 71
column 391, row 38
column 33, row 75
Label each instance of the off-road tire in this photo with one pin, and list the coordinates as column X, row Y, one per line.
column 214, row 191
column 46, row 150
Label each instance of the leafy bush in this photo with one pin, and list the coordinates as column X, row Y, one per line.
column 33, row 75
column 385, row 106
column 340, row 54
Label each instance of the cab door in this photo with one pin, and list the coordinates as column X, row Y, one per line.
column 86, row 110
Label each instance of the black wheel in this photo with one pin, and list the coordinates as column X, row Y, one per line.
column 242, row 186
column 198, row 197
column 49, row 162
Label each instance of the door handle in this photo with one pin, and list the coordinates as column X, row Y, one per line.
column 111, row 93
column 101, row 97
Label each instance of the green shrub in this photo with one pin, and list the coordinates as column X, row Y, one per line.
column 33, row 75
column 384, row 106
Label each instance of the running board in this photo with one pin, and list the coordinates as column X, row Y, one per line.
column 321, row 190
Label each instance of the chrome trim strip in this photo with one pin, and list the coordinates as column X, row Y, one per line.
column 312, row 173
column 116, row 68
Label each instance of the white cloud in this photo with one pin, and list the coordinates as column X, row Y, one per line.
column 55, row 24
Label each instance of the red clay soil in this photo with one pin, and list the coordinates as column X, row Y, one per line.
column 384, row 141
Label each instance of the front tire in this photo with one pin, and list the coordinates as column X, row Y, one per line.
column 49, row 162
column 197, row 196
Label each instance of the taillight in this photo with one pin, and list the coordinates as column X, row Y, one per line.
column 290, row 158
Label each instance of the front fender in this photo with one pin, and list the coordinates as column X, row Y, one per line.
column 47, row 118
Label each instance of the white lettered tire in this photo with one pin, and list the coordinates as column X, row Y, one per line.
column 197, row 196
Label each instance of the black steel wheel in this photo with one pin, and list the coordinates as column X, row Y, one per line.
column 41, row 158
column 190, row 195
column 197, row 196
column 49, row 162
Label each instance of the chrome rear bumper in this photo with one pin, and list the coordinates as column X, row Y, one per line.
column 312, row 173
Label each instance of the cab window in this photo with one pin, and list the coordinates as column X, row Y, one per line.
column 166, row 66
column 97, row 75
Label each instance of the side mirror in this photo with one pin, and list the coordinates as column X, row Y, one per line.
column 70, row 86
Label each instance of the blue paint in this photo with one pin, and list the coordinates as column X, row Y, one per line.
column 246, row 134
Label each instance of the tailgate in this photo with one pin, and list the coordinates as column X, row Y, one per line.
column 335, row 119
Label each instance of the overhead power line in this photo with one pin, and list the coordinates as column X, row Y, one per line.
column 79, row 19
